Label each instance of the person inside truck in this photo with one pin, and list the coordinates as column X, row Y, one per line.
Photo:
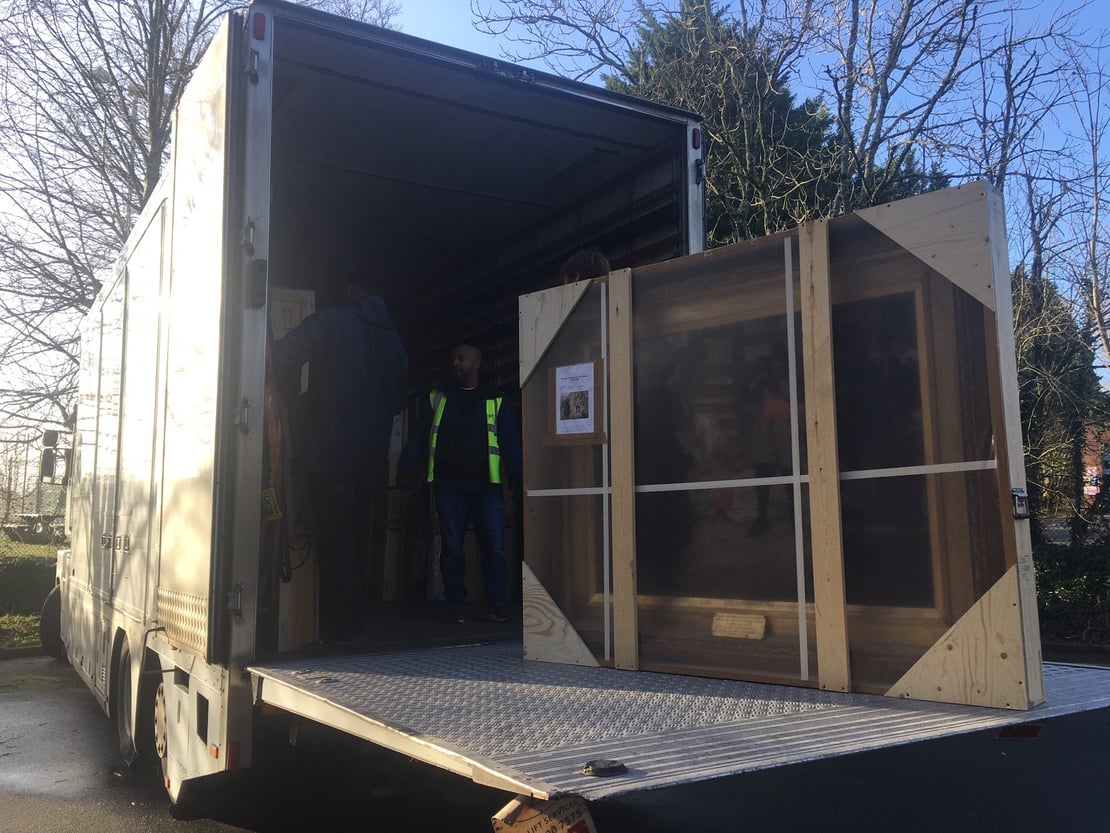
column 358, row 374
column 770, row 435
column 583, row 265
column 466, row 443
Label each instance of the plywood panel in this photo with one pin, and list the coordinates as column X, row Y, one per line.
column 548, row 636
column 541, row 317
column 824, row 469
column 947, row 230
column 979, row 660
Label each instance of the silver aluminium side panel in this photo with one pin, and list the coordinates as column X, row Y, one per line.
column 136, row 520
column 248, row 322
column 694, row 211
column 184, row 594
column 86, row 582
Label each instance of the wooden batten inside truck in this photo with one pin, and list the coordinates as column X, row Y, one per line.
column 793, row 460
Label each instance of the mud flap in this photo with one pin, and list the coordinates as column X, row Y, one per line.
column 534, row 815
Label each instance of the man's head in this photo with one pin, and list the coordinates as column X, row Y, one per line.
column 465, row 361
column 363, row 285
column 583, row 265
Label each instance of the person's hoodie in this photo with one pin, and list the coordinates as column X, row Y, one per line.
column 358, row 374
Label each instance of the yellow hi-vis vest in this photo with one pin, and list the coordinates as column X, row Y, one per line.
column 438, row 400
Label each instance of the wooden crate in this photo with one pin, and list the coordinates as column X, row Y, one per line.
column 788, row 460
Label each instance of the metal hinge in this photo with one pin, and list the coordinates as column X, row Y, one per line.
column 507, row 70
column 235, row 600
column 242, row 416
column 252, row 66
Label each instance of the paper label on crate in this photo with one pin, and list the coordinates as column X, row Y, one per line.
column 740, row 625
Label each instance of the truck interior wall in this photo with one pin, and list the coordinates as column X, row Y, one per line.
column 459, row 297
column 463, row 181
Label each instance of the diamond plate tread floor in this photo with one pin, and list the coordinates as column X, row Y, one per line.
column 525, row 726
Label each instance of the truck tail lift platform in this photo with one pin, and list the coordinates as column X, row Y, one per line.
column 531, row 728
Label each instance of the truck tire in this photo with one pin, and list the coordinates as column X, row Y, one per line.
column 121, row 706
column 50, row 624
column 180, row 793
column 136, row 737
column 40, row 533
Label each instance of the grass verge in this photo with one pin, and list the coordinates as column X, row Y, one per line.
column 18, row 631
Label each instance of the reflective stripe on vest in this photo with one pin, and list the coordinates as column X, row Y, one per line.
column 493, row 448
column 438, row 401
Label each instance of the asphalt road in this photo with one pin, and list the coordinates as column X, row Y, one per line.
column 59, row 772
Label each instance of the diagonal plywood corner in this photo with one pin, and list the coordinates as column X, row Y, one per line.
column 949, row 230
column 548, row 636
column 541, row 317
column 980, row 660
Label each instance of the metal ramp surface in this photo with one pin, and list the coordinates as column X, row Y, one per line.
column 528, row 727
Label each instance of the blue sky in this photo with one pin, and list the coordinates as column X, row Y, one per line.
column 449, row 21
column 445, row 21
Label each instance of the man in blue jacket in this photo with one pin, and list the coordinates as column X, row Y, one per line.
column 467, row 444
column 357, row 376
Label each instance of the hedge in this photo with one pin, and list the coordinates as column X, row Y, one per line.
column 24, row 582
column 1073, row 592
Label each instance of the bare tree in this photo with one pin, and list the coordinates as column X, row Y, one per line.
column 905, row 77
column 900, row 77
column 89, row 90
column 764, row 153
column 378, row 12
column 581, row 39
column 1018, row 140
column 1086, row 262
column 86, row 101
column 575, row 38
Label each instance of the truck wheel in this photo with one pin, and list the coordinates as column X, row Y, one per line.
column 122, row 706
column 178, row 792
column 50, row 624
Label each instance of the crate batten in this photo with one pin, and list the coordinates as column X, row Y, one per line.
column 541, row 316
column 1014, row 451
column 824, row 467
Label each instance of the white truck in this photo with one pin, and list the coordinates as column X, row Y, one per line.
column 308, row 148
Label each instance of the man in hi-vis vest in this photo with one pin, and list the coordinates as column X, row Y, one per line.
column 467, row 445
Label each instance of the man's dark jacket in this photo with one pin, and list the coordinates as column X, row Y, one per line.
column 358, row 374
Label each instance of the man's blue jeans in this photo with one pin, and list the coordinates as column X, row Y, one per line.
column 459, row 502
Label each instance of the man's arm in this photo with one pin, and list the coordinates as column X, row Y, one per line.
column 509, row 440
column 414, row 456
column 396, row 381
column 291, row 351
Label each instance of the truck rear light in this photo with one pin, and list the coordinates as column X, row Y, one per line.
column 232, row 755
column 695, row 138
column 259, row 26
